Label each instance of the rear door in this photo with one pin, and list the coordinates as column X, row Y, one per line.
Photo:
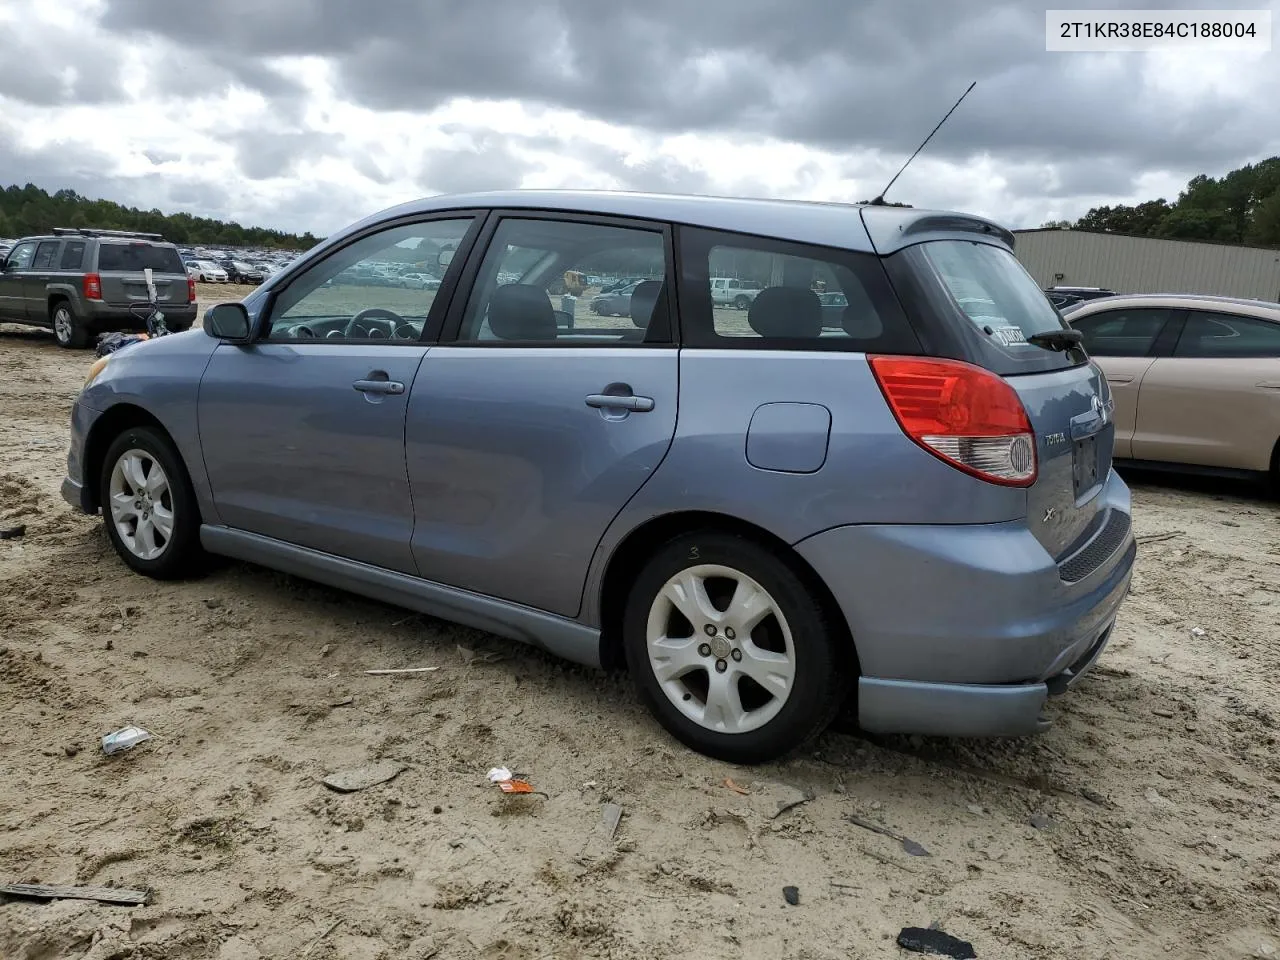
column 303, row 430
column 13, row 292
column 994, row 308
column 121, row 264
column 526, row 439
column 1123, row 343
column 1215, row 401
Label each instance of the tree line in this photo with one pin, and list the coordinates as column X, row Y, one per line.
column 1242, row 207
column 29, row 210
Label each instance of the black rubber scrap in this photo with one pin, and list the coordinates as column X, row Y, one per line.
column 935, row 942
column 13, row 533
column 791, row 895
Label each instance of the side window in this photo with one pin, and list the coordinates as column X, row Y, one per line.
column 46, row 255
column 1225, row 335
column 788, row 296
column 1121, row 333
column 72, row 255
column 20, row 257
column 522, row 295
column 382, row 287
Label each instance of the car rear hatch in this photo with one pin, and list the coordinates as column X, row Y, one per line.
column 121, row 266
column 976, row 303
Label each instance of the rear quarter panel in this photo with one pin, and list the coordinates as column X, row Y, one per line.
column 162, row 377
column 871, row 472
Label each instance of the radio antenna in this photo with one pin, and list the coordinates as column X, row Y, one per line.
column 879, row 201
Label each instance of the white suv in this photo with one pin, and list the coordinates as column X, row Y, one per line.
column 729, row 292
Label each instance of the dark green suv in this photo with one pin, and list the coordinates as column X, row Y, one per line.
column 80, row 282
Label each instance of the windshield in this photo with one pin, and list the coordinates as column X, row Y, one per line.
column 136, row 257
column 993, row 290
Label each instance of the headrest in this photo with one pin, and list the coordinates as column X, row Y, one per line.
column 861, row 322
column 644, row 300
column 786, row 312
column 521, row 311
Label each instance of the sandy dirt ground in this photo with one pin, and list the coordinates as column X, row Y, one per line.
column 1154, row 798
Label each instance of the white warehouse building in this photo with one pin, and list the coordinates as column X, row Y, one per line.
column 1081, row 258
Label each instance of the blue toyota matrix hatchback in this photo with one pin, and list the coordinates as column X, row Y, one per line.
column 888, row 476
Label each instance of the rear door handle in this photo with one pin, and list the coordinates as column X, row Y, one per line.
column 379, row 386
column 632, row 403
column 1115, row 379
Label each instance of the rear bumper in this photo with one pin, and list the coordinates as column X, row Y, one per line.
column 967, row 630
column 112, row 316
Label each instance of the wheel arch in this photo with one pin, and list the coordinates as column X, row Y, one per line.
column 113, row 422
column 641, row 543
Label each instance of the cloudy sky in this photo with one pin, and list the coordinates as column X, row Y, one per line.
column 307, row 114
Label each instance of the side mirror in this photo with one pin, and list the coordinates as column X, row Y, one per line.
column 228, row 321
column 445, row 258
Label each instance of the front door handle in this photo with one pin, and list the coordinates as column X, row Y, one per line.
column 379, row 386
column 610, row 402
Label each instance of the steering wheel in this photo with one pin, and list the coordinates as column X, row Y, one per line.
column 303, row 333
column 373, row 323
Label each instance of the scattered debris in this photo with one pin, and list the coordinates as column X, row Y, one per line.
column 610, row 817
column 71, row 749
column 1157, row 537
column 977, row 809
column 124, row 739
column 320, row 939
column 509, row 782
column 772, row 800
column 387, row 673
column 1161, row 712
column 1093, row 796
column 361, row 778
column 791, row 895
column 743, row 791
column 1042, row 822
column 908, row 844
column 344, row 702
column 42, row 891
column 470, row 656
column 1197, row 632
column 326, row 649
column 935, row 942
column 13, row 533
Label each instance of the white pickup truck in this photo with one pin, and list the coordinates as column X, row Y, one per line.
column 729, row 292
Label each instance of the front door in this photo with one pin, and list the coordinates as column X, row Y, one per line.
column 35, row 287
column 13, row 290
column 526, row 438
column 303, row 429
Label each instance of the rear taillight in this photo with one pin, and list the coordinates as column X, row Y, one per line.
column 962, row 414
column 191, row 290
column 92, row 286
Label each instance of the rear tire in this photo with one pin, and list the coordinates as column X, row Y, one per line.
column 742, row 303
column 68, row 331
column 758, row 675
column 149, row 506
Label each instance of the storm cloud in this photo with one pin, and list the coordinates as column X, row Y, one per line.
column 596, row 94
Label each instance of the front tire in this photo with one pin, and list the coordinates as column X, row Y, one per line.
column 149, row 506
column 742, row 303
column 69, row 332
column 731, row 649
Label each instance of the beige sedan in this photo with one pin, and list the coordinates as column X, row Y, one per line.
column 1196, row 379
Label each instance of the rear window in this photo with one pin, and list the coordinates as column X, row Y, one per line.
column 136, row 257
column 72, row 255
column 994, row 291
